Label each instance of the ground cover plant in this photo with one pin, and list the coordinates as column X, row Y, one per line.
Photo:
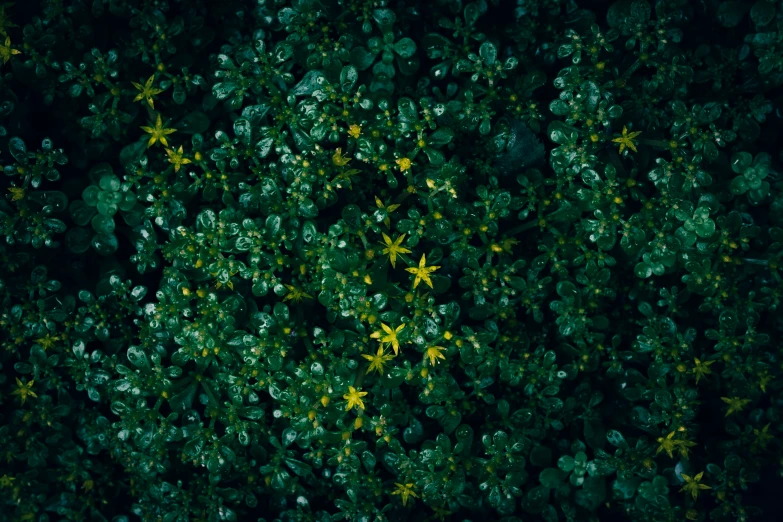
column 376, row 260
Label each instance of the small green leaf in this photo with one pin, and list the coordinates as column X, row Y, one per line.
column 405, row 47
column 551, row 477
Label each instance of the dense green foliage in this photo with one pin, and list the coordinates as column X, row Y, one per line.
column 391, row 260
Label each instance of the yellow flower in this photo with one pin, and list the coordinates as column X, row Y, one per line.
column 507, row 244
column 702, row 369
column 378, row 360
column 393, row 248
column 48, row 341
column 735, row 404
column 667, row 444
column 390, row 336
column 434, row 353
column 17, row 193
column 338, row 160
column 441, row 512
column 158, row 133
column 389, row 209
column 764, row 379
column 175, row 158
column 626, row 140
column 24, row 390
column 354, row 131
column 763, row 436
column 670, row 444
column 296, row 295
column 405, row 491
column 404, row 163
column 354, row 398
column 692, row 485
column 146, row 91
column 6, row 481
column 6, row 51
column 422, row 272
column 684, row 444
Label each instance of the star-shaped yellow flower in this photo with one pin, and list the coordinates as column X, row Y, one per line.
column 147, row 91
column 389, row 209
column 626, row 140
column 338, row 160
column 176, row 158
column 47, row 341
column 422, row 272
column 295, row 294
column 389, row 336
column 669, row 444
column 764, row 379
column 701, row 369
column 763, row 437
column 24, row 390
column 6, row 51
column 441, row 512
column 354, row 131
column 6, row 481
column 434, row 353
column 405, row 491
column 354, row 398
column 692, row 485
column 735, row 404
column 158, row 133
column 17, row 193
column 378, row 360
column 393, row 248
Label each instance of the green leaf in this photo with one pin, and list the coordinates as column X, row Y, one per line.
column 616, row 439
column 362, row 58
column 565, row 463
column 348, row 77
column 183, row 400
column 138, row 358
column 407, row 109
column 308, row 84
column 536, row 499
column 131, row 154
column 730, row 13
column 195, row 122
column 18, row 149
column 405, row 47
column 384, row 17
column 641, row 10
column 540, row 456
column 551, row 477
column 308, row 209
column 762, row 12
column 440, row 137
column 488, row 53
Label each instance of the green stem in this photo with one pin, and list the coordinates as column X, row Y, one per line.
column 614, row 158
column 655, row 143
column 357, row 382
column 521, row 228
